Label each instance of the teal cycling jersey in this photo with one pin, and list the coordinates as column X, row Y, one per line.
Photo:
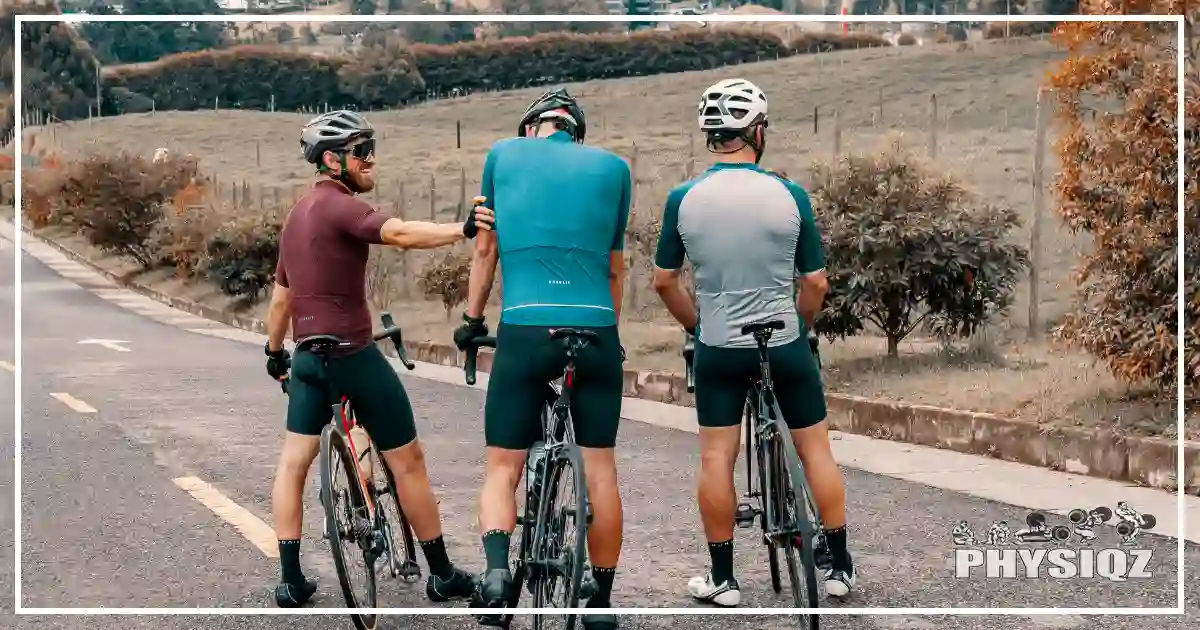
column 561, row 210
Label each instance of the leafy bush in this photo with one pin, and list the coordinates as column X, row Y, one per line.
column 1000, row 30
column 240, row 256
column 906, row 39
column 1119, row 183
column 181, row 237
column 381, row 74
column 116, row 201
column 250, row 77
column 904, row 247
column 446, row 280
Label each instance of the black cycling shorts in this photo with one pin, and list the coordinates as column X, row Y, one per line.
column 724, row 377
column 376, row 394
column 526, row 360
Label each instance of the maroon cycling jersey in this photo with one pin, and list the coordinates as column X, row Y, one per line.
column 323, row 253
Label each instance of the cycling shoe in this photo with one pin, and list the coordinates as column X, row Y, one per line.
column 288, row 595
column 492, row 592
column 460, row 585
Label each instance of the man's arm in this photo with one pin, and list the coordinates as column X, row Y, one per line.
column 487, row 250
column 483, row 274
column 811, row 282
column 371, row 226
column 279, row 315
column 668, row 267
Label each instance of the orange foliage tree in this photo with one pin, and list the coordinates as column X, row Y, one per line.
column 1118, row 92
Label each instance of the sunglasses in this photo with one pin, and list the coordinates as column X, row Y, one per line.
column 364, row 150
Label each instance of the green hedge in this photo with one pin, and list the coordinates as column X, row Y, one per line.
column 242, row 76
column 246, row 76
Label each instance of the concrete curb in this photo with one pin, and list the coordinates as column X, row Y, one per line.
column 1149, row 462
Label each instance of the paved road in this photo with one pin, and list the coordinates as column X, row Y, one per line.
column 104, row 524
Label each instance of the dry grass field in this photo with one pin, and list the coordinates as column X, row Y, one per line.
column 863, row 101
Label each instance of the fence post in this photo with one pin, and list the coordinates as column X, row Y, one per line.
column 933, row 124
column 462, row 194
column 432, row 199
column 258, row 154
column 458, row 134
column 837, row 133
column 1035, row 229
column 881, row 106
column 816, row 119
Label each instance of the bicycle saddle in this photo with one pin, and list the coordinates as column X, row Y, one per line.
column 757, row 327
column 319, row 344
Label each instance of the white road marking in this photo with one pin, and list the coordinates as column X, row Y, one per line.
column 111, row 344
column 8, row 366
column 248, row 525
column 74, row 403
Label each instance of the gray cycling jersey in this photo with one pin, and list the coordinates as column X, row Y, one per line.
column 747, row 233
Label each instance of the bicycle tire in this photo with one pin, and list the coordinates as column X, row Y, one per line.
column 760, row 456
column 405, row 567
column 548, row 543
column 333, row 442
column 794, row 497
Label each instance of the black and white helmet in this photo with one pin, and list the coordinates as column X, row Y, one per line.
column 732, row 105
column 547, row 107
column 333, row 131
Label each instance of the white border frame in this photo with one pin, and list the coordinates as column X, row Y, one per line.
column 17, row 258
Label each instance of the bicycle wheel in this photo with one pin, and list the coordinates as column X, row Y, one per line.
column 796, row 518
column 768, row 542
column 352, row 537
column 560, row 537
column 402, row 558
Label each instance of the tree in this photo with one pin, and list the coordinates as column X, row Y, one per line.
column 435, row 32
column 382, row 74
column 58, row 70
column 904, row 246
column 1117, row 93
column 362, row 7
column 553, row 7
column 135, row 42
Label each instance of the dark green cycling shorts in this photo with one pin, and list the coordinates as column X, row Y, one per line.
column 526, row 360
column 376, row 394
column 724, row 377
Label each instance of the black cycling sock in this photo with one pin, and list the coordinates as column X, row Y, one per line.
column 722, row 560
column 495, row 549
column 836, row 540
column 435, row 556
column 604, row 582
column 289, row 562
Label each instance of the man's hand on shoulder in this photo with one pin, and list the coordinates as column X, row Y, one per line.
column 479, row 218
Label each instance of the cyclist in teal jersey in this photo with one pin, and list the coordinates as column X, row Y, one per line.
column 562, row 208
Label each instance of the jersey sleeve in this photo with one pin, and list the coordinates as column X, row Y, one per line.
column 487, row 188
column 618, row 243
column 281, row 271
column 670, row 252
column 360, row 220
column 810, row 256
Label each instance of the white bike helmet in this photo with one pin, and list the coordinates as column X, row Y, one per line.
column 732, row 105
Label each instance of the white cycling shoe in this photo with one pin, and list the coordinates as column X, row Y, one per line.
column 839, row 583
column 726, row 594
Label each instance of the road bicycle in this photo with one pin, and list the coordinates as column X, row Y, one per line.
column 552, row 558
column 356, row 512
column 781, row 500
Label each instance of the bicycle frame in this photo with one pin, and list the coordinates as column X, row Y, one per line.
column 346, row 413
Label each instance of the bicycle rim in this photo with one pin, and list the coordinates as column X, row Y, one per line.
column 336, row 458
column 768, row 542
column 561, row 538
column 794, row 511
column 402, row 558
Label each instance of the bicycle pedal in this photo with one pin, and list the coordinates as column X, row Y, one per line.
column 410, row 571
column 495, row 621
column 744, row 516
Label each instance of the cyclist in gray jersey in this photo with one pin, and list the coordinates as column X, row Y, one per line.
column 756, row 256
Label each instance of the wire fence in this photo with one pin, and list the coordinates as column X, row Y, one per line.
column 993, row 137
